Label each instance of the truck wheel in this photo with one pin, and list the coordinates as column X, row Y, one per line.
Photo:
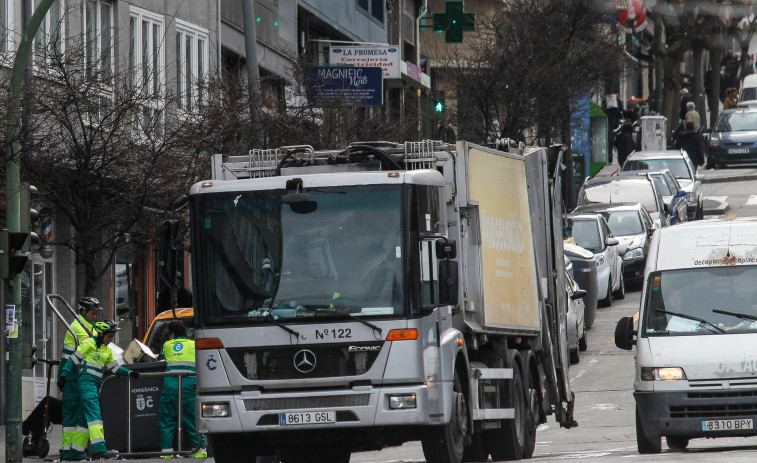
column 508, row 442
column 444, row 444
column 228, row 448
column 621, row 292
column 677, row 442
column 644, row 443
column 477, row 451
column 532, row 418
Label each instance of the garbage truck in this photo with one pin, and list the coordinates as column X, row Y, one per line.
column 353, row 299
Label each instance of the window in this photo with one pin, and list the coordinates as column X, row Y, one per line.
column 48, row 43
column 191, row 64
column 374, row 7
column 98, row 37
column 146, row 64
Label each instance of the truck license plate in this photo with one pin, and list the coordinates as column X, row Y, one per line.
column 727, row 425
column 738, row 151
column 292, row 418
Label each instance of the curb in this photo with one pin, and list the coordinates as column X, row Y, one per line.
column 734, row 178
column 720, row 210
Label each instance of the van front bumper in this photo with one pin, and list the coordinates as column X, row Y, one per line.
column 687, row 413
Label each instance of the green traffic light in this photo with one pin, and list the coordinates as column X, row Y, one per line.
column 439, row 107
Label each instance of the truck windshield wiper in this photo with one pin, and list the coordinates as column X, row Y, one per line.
column 691, row 317
column 352, row 316
column 736, row 314
column 270, row 318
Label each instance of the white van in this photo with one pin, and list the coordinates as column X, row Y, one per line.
column 748, row 93
column 696, row 342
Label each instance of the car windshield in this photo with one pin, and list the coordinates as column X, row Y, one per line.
column 621, row 192
column 625, row 223
column 260, row 258
column 585, row 233
column 737, row 122
column 677, row 166
column 728, row 288
column 748, row 94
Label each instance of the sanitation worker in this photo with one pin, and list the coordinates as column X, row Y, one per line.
column 91, row 359
column 89, row 308
column 179, row 352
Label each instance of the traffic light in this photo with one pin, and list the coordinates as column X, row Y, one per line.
column 28, row 357
column 29, row 215
column 439, row 105
column 10, row 263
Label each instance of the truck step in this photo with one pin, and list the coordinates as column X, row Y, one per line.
column 491, row 375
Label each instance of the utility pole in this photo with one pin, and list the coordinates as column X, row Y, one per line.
column 253, row 72
column 13, row 442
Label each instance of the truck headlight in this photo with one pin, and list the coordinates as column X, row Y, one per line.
column 662, row 374
column 402, row 401
column 631, row 254
column 215, row 410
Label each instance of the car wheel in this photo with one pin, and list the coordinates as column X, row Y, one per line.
column 607, row 301
column 583, row 341
column 621, row 292
column 574, row 356
column 700, row 211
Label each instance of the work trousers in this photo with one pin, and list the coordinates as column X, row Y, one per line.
column 90, row 419
column 168, row 411
column 75, row 436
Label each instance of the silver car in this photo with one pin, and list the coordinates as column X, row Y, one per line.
column 577, row 340
column 680, row 165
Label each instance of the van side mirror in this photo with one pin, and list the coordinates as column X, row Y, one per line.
column 448, row 282
column 624, row 333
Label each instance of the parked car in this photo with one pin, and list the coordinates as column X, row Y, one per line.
column 672, row 194
column 620, row 189
column 733, row 139
column 631, row 224
column 748, row 94
column 680, row 166
column 585, row 274
column 591, row 232
column 576, row 310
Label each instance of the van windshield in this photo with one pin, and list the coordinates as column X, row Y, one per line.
column 675, row 299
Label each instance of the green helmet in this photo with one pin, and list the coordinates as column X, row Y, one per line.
column 106, row 326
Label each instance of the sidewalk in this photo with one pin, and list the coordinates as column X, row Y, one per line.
column 54, row 439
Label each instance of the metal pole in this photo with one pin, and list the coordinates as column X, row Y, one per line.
column 253, row 72
column 218, row 7
column 3, row 341
column 13, row 450
column 179, row 427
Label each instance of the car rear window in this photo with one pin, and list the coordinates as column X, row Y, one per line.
column 737, row 122
column 677, row 166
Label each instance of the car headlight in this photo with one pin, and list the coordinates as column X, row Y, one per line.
column 600, row 259
column 662, row 374
column 714, row 141
column 692, row 196
column 636, row 253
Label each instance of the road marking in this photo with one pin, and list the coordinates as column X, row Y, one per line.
column 719, row 199
column 752, row 201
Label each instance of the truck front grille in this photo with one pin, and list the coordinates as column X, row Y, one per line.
column 303, row 403
column 329, row 360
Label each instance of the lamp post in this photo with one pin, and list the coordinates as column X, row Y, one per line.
column 13, row 442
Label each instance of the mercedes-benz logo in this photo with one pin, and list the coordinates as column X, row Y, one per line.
column 304, row 361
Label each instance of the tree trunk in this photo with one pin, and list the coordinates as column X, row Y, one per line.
column 570, row 171
column 716, row 55
column 699, row 84
column 671, row 103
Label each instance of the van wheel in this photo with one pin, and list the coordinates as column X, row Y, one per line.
column 621, row 292
column 677, row 442
column 646, row 444
column 607, row 301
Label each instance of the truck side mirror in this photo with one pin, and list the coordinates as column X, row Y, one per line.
column 446, row 249
column 448, row 282
column 624, row 333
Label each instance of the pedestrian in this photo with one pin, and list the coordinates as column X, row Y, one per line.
column 625, row 143
column 685, row 99
column 91, row 359
column 179, row 352
column 89, row 308
column 692, row 142
column 692, row 115
column 732, row 97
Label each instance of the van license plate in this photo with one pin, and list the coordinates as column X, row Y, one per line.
column 738, row 151
column 727, row 425
column 293, row 418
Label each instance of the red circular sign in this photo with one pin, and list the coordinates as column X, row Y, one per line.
column 631, row 13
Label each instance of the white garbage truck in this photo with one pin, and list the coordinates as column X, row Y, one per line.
column 354, row 299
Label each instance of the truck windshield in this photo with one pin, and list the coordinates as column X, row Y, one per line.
column 257, row 257
column 682, row 295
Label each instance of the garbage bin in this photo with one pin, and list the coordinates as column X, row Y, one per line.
column 140, row 403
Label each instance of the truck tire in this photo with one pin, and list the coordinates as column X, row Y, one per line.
column 677, row 442
column 532, row 416
column 228, row 448
column 477, row 451
column 445, row 444
column 508, row 442
column 646, row 444
column 314, row 454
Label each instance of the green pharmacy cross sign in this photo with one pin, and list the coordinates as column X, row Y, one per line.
column 453, row 22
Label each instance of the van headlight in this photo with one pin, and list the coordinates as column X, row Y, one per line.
column 714, row 141
column 692, row 196
column 662, row 374
column 636, row 253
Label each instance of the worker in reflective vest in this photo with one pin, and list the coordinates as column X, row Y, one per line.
column 89, row 308
column 179, row 352
column 92, row 358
